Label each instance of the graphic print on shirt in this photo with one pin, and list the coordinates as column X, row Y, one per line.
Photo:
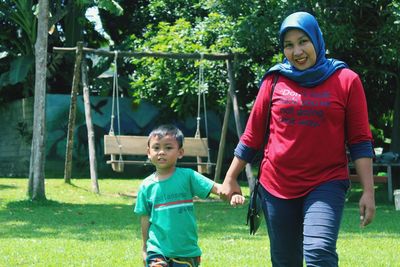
column 306, row 108
column 175, row 204
column 174, row 201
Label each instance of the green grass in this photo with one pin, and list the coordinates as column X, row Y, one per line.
column 78, row 228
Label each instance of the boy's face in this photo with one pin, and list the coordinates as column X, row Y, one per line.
column 164, row 152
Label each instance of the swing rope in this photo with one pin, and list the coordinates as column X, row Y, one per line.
column 201, row 95
column 118, row 164
column 115, row 99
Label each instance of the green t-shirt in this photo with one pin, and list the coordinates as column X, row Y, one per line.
column 169, row 204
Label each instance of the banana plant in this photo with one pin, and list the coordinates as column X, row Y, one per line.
column 19, row 12
column 19, row 16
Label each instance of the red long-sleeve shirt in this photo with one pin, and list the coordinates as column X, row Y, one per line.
column 308, row 131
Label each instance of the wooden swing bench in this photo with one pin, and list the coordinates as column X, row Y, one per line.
column 384, row 179
column 377, row 178
column 128, row 145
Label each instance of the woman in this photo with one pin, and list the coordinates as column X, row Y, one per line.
column 318, row 109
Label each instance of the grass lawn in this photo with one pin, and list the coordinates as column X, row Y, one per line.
column 78, row 228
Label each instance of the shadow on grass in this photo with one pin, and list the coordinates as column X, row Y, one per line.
column 53, row 219
column 219, row 218
column 385, row 223
column 386, row 220
column 3, row 186
column 128, row 195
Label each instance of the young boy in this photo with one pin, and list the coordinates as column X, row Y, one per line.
column 165, row 203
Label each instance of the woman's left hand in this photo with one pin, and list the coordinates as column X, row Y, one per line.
column 367, row 208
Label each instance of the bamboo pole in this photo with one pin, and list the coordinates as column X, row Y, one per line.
column 239, row 129
column 209, row 56
column 72, row 113
column 222, row 141
column 89, row 126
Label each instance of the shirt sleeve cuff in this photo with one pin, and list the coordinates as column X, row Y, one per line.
column 361, row 150
column 244, row 152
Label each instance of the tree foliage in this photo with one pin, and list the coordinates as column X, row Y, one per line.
column 361, row 33
column 173, row 84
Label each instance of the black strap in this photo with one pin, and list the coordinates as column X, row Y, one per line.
column 269, row 109
column 276, row 77
column 253, row 212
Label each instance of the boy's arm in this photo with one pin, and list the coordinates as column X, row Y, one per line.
column 145, row 223
column 216, row 189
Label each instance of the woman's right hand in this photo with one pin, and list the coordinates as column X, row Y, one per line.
column 230, row 186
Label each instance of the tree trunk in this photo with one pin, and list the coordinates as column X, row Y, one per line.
column 72, row 114
column 36, row 186
column 89, row 126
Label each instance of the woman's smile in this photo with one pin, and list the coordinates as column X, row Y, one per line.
column 299, row 50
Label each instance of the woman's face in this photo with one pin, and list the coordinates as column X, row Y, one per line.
column 299, row 50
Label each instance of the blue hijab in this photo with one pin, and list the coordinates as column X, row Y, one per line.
column 323, row 67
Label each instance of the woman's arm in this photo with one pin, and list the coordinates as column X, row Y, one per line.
column 250, row 142
column 364, row 170
column 359, row 139
column 230, row 185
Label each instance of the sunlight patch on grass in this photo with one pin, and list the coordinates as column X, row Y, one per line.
column 14, row 223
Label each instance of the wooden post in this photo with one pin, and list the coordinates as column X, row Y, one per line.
column 212, row 57
column 89, row 126
column 222, row 141
column 72, row 114
column 239, row 129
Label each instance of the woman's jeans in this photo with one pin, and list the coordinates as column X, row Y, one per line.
column 306, row 226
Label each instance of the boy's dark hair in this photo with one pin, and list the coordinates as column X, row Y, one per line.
column 167, row 129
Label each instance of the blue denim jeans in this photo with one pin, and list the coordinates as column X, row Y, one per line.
column 305, row 227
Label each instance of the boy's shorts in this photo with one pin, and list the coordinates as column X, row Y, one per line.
column 157, row 260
